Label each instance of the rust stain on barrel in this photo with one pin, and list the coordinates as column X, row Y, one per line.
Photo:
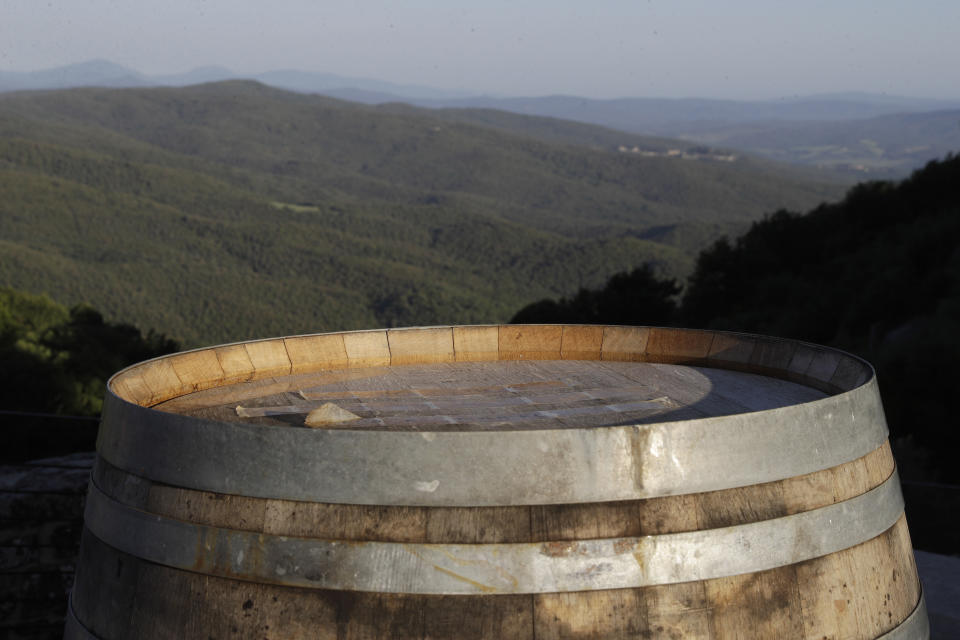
column 482, row 587
column 639, row 450
column 623, row 545
column 562, row 549
column 206, row 549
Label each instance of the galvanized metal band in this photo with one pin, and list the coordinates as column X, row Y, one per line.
column 548, row 567
column 915, row 627
column 436, row 468
column 74, row 629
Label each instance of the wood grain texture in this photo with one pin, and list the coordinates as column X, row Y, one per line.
column 198, row 370
column 861, row 592
column 678, row 611
column 252, row 389
column 755, row 605
column 823, row 366
column 731, row 351
column 771, row 355
column 800, row 362
column 415, row 346
column 314, row 353
column 581, row 343
column 625, row 343
column 505, row 395
column 269, row 358
column 530, row 342
column 476, row 344
column 235, row 363
column 161, row 379
column 680, row 346
column 848, row 374
column 367, row 348
column 131, row 386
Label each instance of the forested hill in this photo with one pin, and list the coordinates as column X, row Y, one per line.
column 869, row 271
column 232, row 210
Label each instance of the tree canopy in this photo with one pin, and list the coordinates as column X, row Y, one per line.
column 635, row 297
column 57, row 360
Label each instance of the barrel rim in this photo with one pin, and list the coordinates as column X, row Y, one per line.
column 868, row 371
column 474, row 468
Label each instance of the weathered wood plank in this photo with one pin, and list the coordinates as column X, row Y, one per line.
column 682, row 346
column 476, row 344
column 860, row 592
column 499, row 395
column 678, row 611
column 530, row 342
column 617, row 613
column 160, row 378
column 235, row 363
column 755, row 605
column 105, row 589
column 367, row 348
column 313, row 353
column 625, row 343
column 416, row 346
column 268, row 357
column 198, row 370
column 581, row 343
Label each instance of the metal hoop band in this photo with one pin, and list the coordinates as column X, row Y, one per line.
column 547, row 567
column 492, row 468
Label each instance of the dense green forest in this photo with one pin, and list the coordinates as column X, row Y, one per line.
column 57, row 360
column 54, row 364
column 625, row 299
column 231, row 211
column 877, row 274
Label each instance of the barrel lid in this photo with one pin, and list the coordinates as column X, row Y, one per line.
column 501, row 395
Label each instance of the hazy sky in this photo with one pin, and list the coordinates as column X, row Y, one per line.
column 601, row 48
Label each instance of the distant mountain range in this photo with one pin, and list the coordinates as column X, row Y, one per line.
column 644, row 115
column 103, row 73
column 842, row 131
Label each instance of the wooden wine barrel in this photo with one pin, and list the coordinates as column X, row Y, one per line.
column 536, row 481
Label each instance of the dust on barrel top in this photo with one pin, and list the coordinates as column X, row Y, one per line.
column 501, row 395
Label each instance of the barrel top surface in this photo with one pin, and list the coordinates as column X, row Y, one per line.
column 502, row 395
